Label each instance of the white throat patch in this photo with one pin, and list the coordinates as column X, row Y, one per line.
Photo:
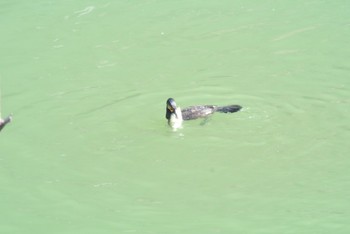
column 176, row 120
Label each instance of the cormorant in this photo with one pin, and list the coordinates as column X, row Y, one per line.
column 5, row 121
column 176, row 116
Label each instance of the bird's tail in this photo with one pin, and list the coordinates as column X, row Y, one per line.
column 228, row 109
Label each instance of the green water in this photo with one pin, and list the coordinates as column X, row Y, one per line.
column 89, row 150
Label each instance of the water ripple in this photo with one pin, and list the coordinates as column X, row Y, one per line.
column 85, row 11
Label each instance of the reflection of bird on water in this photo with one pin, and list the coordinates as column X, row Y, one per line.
column 176, row 116
column 5, row 121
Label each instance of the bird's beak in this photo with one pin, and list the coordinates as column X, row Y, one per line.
column 172, row 109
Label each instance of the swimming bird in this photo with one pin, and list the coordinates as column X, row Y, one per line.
column 5, row 121
column 176, row 116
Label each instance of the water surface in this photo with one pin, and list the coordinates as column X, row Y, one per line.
column 89, row 150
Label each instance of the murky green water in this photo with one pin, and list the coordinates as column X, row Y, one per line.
column 89, row 150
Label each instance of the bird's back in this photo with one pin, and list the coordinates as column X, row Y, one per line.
column 195, row 112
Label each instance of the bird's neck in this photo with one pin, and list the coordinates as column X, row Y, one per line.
column 176, row 119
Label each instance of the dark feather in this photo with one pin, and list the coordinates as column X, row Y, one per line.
column 195, row 112
column 228, row 109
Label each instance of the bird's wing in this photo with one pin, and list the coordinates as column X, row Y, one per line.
column 195, row 112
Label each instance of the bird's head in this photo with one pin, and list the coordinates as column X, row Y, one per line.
column 170, row 108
